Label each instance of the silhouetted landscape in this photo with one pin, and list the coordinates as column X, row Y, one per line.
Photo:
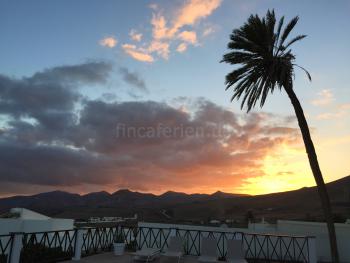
column 180, row 207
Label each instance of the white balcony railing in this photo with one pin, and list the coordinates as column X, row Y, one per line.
column 57, row 246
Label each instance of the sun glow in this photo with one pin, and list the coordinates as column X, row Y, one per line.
column 283, row 170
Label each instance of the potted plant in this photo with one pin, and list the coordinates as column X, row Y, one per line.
column 119, row 244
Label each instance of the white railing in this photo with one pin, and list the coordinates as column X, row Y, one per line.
column 257, row 246
column 61, row 245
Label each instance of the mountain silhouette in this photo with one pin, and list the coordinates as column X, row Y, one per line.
column 292, row 204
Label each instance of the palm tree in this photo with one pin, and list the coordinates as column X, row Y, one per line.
column 265, row 63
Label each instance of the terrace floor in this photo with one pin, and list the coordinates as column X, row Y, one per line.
column 109, row 257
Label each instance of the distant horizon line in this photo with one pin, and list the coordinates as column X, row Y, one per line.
column 163, row 193
column 125, row 189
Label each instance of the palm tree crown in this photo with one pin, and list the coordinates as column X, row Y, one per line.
column 265, row 58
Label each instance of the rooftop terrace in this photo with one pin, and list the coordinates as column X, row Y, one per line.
column 109, row 257
column 95, row 244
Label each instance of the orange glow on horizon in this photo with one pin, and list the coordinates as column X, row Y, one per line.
column 285, row 169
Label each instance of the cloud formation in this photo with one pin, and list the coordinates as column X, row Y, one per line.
column 208, row 31
column 41, row 109
column 181, row 47
column 133, row 79
column 339, row 112
column 172, row 29
column 138, row 54
column 193, row 11
column 142, row 145
column 188, row 36
column 49, row 96
column 110, row 42
column 134, row 35
column 324, row 98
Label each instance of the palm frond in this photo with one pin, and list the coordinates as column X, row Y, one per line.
column 236, row 75
column 237, row 57
column 295, row 39
column 288, row 29
column 277, row 35
column 270, row 22
column 306, row 72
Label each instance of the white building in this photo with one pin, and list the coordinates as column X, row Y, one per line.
column 25, row 220
column 110, row 219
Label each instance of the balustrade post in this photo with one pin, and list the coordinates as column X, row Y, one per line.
column 78, row 244
column 312, row 249
column 16, row 247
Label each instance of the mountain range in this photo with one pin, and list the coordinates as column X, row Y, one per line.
column 53, row 202
column 298, row 204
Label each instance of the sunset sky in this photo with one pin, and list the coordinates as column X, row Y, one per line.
column 74, row 74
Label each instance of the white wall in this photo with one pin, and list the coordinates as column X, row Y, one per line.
column 262, row 228
column 29, row 221
column 28, row 214
column 316, row 229
column 319, row 230
column 51, row 224
column 191, row 227
column 8, row 225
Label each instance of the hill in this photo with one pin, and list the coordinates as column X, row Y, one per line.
column 299, row 204
column 119, row 203
column 302, row 204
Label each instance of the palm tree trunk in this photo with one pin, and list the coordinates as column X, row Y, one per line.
column 322, row 190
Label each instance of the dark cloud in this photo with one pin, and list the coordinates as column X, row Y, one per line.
column 91, row 147
column 50, row 90
column 48, row 98
column 142, row 145
column 134, row 79
column 90, row 72
column 46, row 165
column 24, row 97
